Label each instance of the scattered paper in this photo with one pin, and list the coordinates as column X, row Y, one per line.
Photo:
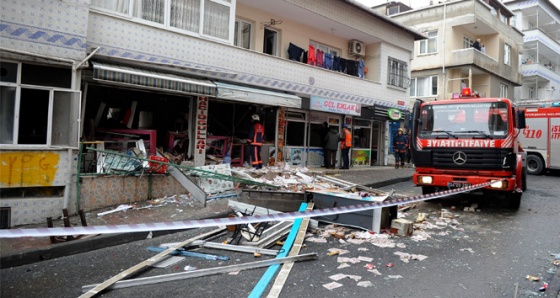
column 394, row 276
column 467, row 249
column 365, row 284
column 337, row 277
column 333, row 285
column 375, row 271
column 343, row 265
column 365, row 259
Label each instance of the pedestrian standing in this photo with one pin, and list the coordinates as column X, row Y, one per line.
column 400, row 144
column 255, row 139
column 476, row 44
column 345, row 145
column 482, row 48
column 331, row 145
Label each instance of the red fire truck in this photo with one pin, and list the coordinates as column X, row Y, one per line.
column 541, row 138
column 467, row 141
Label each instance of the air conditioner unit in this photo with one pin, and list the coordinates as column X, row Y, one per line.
column 357, row 48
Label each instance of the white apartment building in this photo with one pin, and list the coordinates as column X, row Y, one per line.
column 446, row 62
column 539, row 20
column 111, row 71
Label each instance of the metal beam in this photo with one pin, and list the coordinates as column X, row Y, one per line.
column 108, row 283
column 286, row 268
column 204, row 272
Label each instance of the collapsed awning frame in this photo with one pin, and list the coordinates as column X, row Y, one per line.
column 256, row 96
column 152, row 80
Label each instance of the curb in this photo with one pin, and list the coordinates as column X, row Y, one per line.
column 388, row 182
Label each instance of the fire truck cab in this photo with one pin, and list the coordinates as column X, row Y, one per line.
column 466, row 141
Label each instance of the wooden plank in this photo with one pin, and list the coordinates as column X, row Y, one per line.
column 287, row 267
column 204, row 272
column 102, row 286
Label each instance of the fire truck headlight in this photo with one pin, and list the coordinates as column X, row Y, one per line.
column 426, row 179
column 498, row 184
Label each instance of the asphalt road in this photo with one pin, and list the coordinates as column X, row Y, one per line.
column 474, row 254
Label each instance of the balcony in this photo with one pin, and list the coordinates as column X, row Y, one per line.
column 472, row 57
column 539, row 73
column 190, row 55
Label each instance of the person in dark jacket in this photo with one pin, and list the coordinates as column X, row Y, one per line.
column 331, row 146
column 476, row 44
column 400, row 144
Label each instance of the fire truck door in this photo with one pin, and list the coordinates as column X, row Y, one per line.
column 555, row 142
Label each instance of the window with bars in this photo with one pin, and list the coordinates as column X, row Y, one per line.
column 204, row 17
column 398, row 73
column 424, row 86
column 428, row 46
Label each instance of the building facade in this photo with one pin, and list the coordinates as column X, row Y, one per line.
column 446, row 62
column 539, row 21
column 185, row 76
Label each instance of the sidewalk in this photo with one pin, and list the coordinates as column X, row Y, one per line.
column 20, row 251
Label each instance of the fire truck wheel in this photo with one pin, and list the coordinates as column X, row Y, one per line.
column 426, row 190
column 534, row 165
column 514, row 200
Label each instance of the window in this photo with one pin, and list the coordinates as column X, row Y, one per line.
column 295, row 129
column 270, row 42
column 242, row 34
column 325, row 48
column 36, row 106
column 398, row 73
column 507, row 54
column 424, row 86
column 503, row 91
column 429, row 45
column 467, row 42
column 205, row 17
column 393, row 10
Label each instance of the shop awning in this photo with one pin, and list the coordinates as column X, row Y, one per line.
column 253, row 95
column 149, row 79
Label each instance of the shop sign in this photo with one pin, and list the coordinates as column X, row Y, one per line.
column 394, row 114
column 335, row 106
column 201, row 126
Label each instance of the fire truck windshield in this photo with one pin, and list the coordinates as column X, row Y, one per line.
column 464, row 120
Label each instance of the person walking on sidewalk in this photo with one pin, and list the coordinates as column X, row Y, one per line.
column 331, row 145
column 345, row 145
column 255, row 140
column 400, row 144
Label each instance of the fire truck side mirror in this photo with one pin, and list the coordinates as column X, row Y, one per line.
column 521, row 119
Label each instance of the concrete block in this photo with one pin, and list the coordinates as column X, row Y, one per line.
column 402, row 227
